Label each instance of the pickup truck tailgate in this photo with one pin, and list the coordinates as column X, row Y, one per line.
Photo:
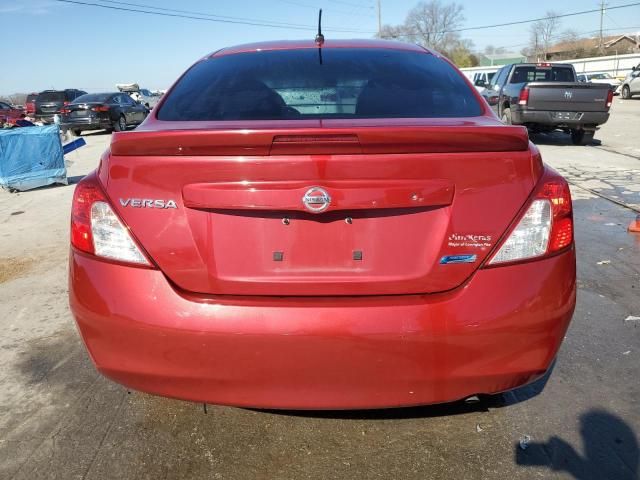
column 567, row 96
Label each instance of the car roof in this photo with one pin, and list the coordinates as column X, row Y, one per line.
column 103, row 93
column 63, row 90
column 310, row 43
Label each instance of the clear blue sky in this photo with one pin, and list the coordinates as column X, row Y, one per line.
column 47, row 44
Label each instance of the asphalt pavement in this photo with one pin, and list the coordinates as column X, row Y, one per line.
column 60, row 419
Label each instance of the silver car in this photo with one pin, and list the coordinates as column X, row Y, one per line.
column 602, row 78
column 631, row 84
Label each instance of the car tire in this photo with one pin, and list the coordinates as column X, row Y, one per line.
column 76, row 132
column 581, row 137
column 120, row 125
column 506, row 116
column 626, row 92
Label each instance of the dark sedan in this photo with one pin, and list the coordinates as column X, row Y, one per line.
column 111, row 111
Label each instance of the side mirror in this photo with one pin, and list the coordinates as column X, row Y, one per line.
column 480, row 83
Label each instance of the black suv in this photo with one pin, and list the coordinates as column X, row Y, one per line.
column 50, row 102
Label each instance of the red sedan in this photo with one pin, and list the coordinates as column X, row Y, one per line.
column 9, row 113
column 304, row 226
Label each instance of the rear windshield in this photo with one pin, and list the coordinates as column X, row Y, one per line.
column 309, row 83
column 51, row 97
column 32, row 97
column 93, row 97
column 542, row 74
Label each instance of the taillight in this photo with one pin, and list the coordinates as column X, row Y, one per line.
column 65, row 111
column 97, row 229
column 609, row 98
column 100, row 108
column 523, row 99
column 545, row 227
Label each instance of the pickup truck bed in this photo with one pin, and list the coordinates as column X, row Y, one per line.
column 546, row 97
column 563, row 104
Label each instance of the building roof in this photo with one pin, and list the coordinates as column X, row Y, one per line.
column 588, row 43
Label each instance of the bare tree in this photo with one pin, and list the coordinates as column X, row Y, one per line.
column 542, row 33
column 392, row 32
column 432, row 25
column 574, row 43
column 491, row 50
column 461, row 53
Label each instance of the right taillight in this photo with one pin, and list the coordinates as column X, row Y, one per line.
column 545, row 227
column 523, row 98
column 96, row 229
column 609, row 98
column 100, row 108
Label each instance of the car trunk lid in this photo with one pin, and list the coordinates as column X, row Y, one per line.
column 410, row 209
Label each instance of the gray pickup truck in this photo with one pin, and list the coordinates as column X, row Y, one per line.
column 545, row 97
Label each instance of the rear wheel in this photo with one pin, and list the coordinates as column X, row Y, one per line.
column 120, row 125
column 626, row 92
column 506, row 116
column 581, row 137
column 76, row 132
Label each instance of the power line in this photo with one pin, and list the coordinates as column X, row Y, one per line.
column 559, row 36
column 332, row 10
column 352, row 4
column 202, row 14
column 520, row 22
column 196, row 16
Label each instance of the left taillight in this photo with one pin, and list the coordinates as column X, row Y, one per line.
column 523, row 98
column 545, row 227
column 96, row 228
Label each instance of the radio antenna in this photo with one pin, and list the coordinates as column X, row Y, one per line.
column 320, row 36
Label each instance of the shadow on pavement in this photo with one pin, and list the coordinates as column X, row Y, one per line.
column 610, row 450
column 559, row 139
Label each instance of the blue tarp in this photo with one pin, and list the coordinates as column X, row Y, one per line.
column 31, row 157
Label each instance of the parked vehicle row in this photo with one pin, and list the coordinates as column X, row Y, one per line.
column 546, row 97
column 78, row 111
column 110, row 111
column 50, row 102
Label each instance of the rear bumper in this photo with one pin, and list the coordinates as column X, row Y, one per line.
column 86, row 123
column 499, row 331
column 45, row 117
column 548, row 118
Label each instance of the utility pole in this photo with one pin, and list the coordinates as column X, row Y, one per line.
column 379, row 18
column 602, row 11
